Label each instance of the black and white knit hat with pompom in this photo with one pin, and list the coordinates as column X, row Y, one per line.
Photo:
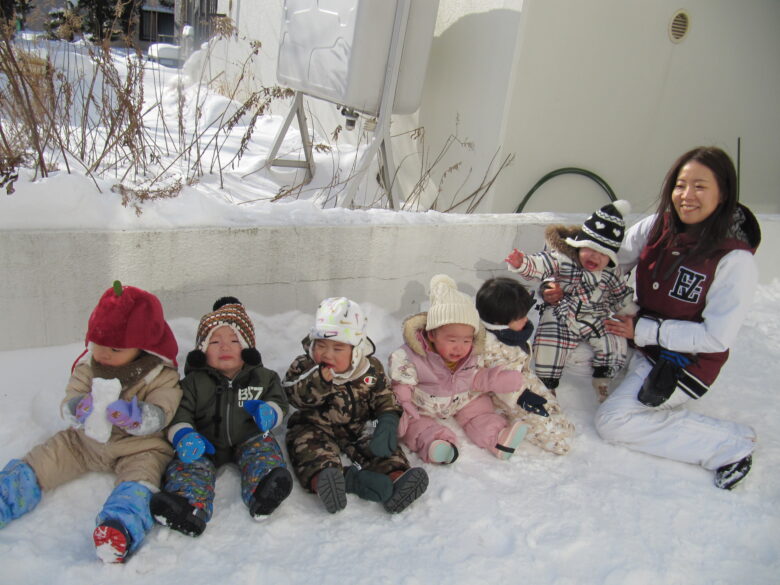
column 603, row 231
column 227, row 311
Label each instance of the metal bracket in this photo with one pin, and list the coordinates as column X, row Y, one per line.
column 296, row 111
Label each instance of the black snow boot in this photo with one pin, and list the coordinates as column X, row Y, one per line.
column 175, row 512
column 270, row 492
column 727, row 476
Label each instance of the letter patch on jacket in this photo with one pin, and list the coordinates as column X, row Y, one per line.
column 687, row 287
column 249, row 393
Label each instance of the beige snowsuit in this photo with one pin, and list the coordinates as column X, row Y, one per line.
column 71, row 453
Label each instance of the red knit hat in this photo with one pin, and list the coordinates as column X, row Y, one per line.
column 128, row 317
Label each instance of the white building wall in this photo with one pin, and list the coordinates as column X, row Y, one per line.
column 595, row 84
column 600, row 85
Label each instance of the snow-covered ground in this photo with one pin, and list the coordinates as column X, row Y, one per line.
column 600, row 515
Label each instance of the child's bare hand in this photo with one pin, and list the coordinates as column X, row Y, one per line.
column 515, row 258
column 552, row 292
column 620, row 325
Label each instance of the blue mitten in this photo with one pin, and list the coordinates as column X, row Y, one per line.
column 264, row 414
column 385, row 439
column 191, row 445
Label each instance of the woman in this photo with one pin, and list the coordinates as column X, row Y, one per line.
column 695, row 277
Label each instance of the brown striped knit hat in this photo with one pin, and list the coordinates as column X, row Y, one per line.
column 226, row 311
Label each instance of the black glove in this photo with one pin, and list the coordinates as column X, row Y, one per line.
column 534, row 403
column 662, row 380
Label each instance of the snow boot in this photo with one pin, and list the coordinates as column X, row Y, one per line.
column 123, row 522
column 368, row 485
column 442, row 452
column 175, row 512
column 727, row 476
column 112, row 542
column 194, row 482
column 509, row 439
column 331, row 489
column 406, row 489
column 19, row 491
column 551, row 383
column 270, row 492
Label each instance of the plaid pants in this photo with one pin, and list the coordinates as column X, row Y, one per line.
column 554, row 340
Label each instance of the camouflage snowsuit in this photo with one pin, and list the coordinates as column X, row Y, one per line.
column 589, row 298
column 551, row 433
column 335, row 418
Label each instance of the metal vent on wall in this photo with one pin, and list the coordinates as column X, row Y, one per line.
column 679, row 26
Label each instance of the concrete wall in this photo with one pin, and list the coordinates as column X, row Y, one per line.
column 53, row 279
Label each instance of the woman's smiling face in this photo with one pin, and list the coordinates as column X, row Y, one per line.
column 696, row 195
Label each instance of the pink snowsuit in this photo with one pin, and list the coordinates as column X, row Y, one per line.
column 420, row 377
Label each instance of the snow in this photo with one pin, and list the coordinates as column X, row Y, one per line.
column 601, row 514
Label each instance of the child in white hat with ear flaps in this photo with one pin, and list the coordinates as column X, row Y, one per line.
column 340, row 389
column 435, row 376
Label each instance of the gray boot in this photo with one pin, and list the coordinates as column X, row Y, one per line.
column 406, row 489
column 331, row 489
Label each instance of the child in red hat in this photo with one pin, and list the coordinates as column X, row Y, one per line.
column 123, row 390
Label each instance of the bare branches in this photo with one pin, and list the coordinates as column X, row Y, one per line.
column 64, row 104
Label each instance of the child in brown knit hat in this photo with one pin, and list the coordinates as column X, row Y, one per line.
column 231, row 404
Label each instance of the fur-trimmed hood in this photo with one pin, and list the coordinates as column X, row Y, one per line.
column 414, row 335
column 555, row 237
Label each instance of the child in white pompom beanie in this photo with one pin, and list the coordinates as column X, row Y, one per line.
column 435, row 376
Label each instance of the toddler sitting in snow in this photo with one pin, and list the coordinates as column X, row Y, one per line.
column 436, row 376
column 230, row 405
column 503, row 305
column 339, row 389
column 122, row 392
column 582, row 262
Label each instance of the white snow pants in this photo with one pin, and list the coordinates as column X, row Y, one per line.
column 671, row 432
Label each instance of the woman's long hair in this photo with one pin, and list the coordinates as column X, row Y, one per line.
column 713, row 230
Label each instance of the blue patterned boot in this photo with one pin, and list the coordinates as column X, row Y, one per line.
column 123, row 522
column 19, row 491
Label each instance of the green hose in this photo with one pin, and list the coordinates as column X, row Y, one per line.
column 567, row 171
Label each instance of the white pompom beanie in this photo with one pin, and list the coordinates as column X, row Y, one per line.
column 449, row 305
